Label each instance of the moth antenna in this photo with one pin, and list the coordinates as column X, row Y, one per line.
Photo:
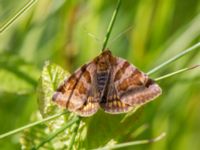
column 17, row 15
column 121, row 33
column 93, row 36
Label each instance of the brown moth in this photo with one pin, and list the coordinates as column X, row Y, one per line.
column 108, row 82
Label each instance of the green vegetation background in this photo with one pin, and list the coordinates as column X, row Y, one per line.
column 57, row 30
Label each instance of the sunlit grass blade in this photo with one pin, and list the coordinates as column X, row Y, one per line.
column 30, row 125
column 175, row 73
column 123, row 145
column 112, row 21
column 17, row 15
column 50, row 137
column 174, row 58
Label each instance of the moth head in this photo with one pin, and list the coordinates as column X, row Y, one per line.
column 103, row 61
column 106, row 52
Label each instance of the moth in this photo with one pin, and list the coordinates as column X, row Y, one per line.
column 107, row 82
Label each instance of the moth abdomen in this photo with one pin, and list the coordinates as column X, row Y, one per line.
column 102, row 78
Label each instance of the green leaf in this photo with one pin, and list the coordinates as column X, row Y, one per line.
column 52, row 76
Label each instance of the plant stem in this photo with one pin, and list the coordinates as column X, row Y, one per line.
column 49, row 138
column 176, row 72
column 30, row 125
column 74, row 135
column 174, row 58
column 161, row 136
column 110, row 26
column 9, row 22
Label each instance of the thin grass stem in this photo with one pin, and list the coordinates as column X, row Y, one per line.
column 110, row 26
column 161, row 136
column 75, row 131
column 175, row 73
column 30, row 125
column 17, row 15
column 176, row 57
column 52, row 136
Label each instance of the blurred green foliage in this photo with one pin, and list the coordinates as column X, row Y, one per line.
column 57, row 30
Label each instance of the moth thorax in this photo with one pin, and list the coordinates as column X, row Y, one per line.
column 102, row 66
column 102, row 77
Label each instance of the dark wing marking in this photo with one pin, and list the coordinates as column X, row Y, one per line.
column 112, row 103
column 78, row 93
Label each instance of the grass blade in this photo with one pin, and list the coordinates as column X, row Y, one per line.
column 112, row 21
column 122, row 145
column 174, row 58
column 17, row 15
column 30, row 125
column 175, row 72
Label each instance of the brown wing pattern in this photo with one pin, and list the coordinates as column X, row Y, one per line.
column 78, row 93
column 133, row 86
column 128, row 88
column 125, row 88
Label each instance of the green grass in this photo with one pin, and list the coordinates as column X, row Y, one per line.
column 57, row 31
